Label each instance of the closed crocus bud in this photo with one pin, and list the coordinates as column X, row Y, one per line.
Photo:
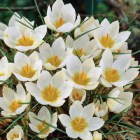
column 15, row 134
column 101, row 109
column 78, row 95
column 97, row 136
column 119, row 100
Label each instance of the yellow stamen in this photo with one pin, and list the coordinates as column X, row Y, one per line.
column 27, row 71
column 43, row 127
column 54, row 60
column 77, row 95
column 81, row 78
column 14, row 136
column 50, row 94
column 2, row 73
column 112, row 75
column 15, row 105
column 59, row 23
column 25, row 41
column 79, row 52
column 79, row 124
column 107, row 41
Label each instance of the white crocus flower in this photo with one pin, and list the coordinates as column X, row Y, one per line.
column 78, row 95
column 27, row 68
column 16, row 21
column 43, row 123
column 83, row 47
column 2, row 30
column 97, row 135
column 108, row 36
column 119, row 100
column 14, row 103
column 81, row 121
column 21, row 36
column 100, row 109
column 88, row 25
column 15, row 134
column 122, row 50
column 53, row 57
column 6, row 69
column 83, row 75
column 116, row 72
column 50, row 90
column 61, row 18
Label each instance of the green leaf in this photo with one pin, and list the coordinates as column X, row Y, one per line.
column 86, row 32
column 41, row 17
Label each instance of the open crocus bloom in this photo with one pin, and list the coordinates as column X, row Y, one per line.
column 83, row 75
column 13, row 103
column 16, row 21
column 6, row 69
column 41, row 123
column 62, row 18
column 50, row 90
column 81, row 121
column 83, row 47
column 119, row 100
column 108, row 36
column 97, row 135
column 53, row 57
column 116, row 72
column 27, row 68
column 15, row 134
column 78, row 95
column 100, row 109
column 20, row 34
column 20, row 22
column 88, row 25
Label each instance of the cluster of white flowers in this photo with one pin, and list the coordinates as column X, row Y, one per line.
column 68, row 70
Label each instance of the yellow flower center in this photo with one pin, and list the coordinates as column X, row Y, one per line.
column 25, row 41
column 2, row 73
column 14, row 136
column 59, row 23
column 79, row 124
column 43, row 128
column 50, row 94
column 107, row 41
column 112, row 75
column 81, row 78
column 15, row 105
column 27, row 71
column 79, row 52
column 77, row 96
column 54, row 60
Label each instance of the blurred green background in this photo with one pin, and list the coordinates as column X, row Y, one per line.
column 126, row 11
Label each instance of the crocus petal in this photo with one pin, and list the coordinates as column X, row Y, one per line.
column 76, row 109
column 65, row 120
